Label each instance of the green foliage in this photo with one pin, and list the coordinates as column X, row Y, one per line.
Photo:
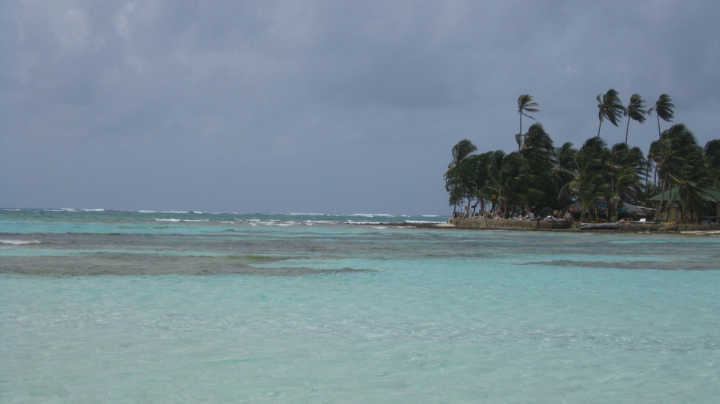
column 461, row 150
column 566, row 157
column 680, row 162
column 539, row 158
column 712, row 154
column 564, row 173
column 690, row 199
column 626, row 171
column 455, row 175
column 636, row 108
column 712, row 160
column 677, row 153
column 506, row 182
column 591, row 182
column 609, row 107
column 526, row 105
column 542, row 178
column 664, row 109
column 635, row 111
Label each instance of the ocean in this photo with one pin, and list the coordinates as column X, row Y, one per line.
column 188, row 306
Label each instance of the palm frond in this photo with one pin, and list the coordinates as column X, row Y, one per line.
column 636, row 108
column 612, row 107
column 461, row 150
column 664, row 108
column 526, row 103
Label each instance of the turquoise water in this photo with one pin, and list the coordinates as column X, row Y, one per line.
column 123, row 307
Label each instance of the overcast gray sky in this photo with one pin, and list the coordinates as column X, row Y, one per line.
column 340, row 106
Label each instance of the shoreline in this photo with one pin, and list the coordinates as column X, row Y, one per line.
column 564, row 226
column 569, row 226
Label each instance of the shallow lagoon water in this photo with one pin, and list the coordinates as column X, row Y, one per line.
column 116, row 306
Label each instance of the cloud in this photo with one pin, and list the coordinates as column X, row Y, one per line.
column 258, row 105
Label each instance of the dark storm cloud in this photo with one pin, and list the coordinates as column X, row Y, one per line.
column 320, row 105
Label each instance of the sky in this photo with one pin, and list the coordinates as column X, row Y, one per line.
column 321, row 106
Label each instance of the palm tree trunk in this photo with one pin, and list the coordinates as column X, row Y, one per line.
column 658, row 119
column 666, row 204
column 520, row 124
column 655, row 178
column 520, row 134
column 599, row 125
column 661, row 210
column 627, row 129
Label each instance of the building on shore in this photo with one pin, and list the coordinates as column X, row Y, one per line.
column 709, row 211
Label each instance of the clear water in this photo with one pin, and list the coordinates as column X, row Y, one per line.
column 121, row 307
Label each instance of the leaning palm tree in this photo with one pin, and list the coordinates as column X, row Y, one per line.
column 625, row 169
column 635, row 111
column 678, row 156
column 590, row 179
column 525, row 105
column 609, row 107
column 664, row 109
column 461, row 150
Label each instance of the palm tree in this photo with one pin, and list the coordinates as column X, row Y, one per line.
column 712, row 158
column 457, row 176
column 461, row 150
column 565, row 172
column 609, row 107
column 540, row 161
column 664, row 109
column 566, row 157
column 679, row 160
column 512, row 184
column 690, row 198
column 590, row 183
column 525, row 105
column 626, row 167
column 493, row 190
column 635, row 111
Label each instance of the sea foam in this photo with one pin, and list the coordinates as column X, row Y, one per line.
column 19, row 242
column 364, row 223
column 176, row 220
column 371, row 215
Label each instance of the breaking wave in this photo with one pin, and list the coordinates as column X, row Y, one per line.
column 371, row 215
column 364, row 223
column 176, row 220
column 19, row 242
